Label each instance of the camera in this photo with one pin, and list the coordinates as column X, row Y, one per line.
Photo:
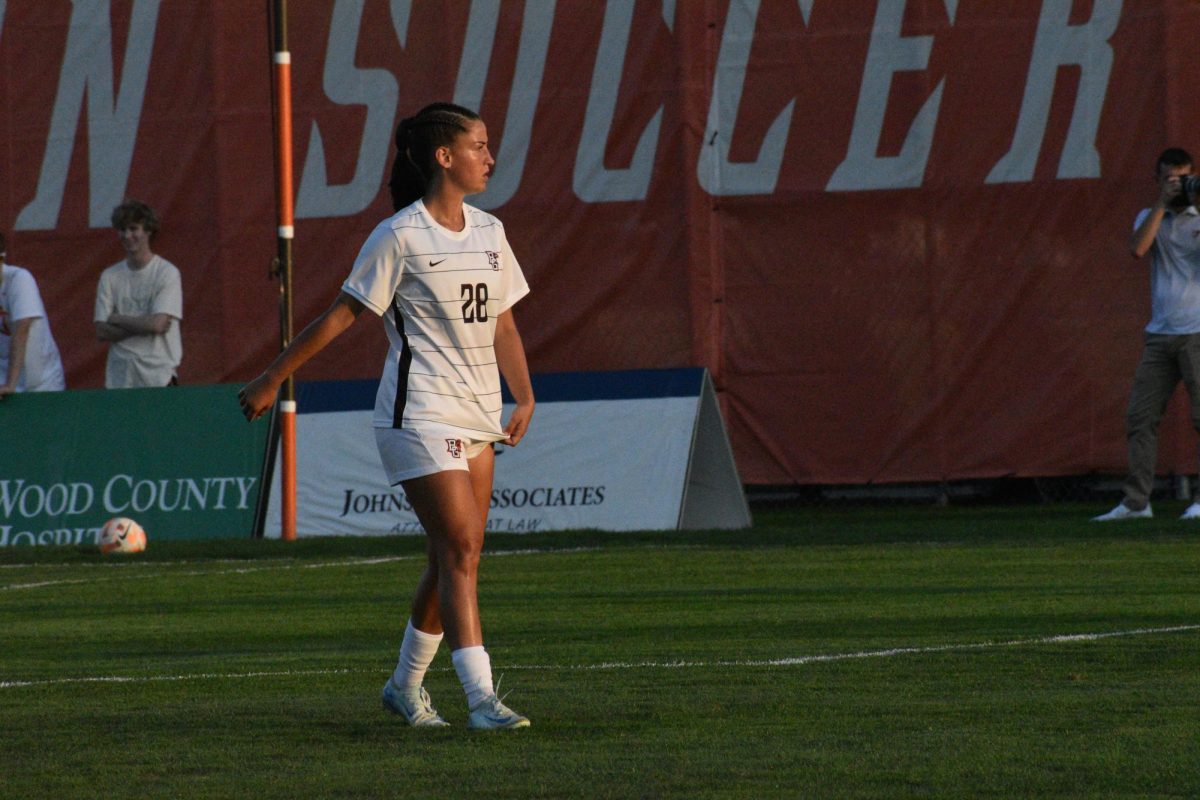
column 1190, row 186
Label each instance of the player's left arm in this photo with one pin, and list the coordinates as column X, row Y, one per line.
column 510, row 357
column 16, row 355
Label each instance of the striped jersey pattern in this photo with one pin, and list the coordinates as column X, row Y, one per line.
column 439, row 293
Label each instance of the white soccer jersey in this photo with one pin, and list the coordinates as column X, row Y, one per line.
column 439, row 293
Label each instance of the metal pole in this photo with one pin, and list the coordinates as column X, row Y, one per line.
column 286, row 229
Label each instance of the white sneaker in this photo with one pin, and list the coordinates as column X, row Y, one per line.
column 492, row 715
column 414, row 705
column 1191, row 512
column 1123, row 511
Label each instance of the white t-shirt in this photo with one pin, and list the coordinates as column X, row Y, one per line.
column 20, row 299
column 439, row 293
column 145, row 359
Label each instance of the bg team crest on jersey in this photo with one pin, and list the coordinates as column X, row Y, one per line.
column 493, row 259
column 454, row 447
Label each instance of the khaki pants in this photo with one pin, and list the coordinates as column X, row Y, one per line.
column 1166, row 360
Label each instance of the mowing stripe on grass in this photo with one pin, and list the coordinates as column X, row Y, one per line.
column 892, row 652
column 350, row 562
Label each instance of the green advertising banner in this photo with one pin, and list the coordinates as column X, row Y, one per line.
column 181, row 461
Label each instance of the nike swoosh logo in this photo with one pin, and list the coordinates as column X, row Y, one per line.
column 435, row 263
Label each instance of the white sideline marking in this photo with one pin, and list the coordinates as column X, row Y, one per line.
column 271, row 566
column 198, row 676
column 351, row 562
column 1067, row 638
column 888, row 653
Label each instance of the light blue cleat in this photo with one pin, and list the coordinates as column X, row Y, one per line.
column 493, row 715
column 414, row 705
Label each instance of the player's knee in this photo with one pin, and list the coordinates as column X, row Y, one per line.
column 461, row 549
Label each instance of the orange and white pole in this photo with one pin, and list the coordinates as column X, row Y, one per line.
column 286, row 224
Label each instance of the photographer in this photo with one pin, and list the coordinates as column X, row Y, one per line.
column 1170, row 232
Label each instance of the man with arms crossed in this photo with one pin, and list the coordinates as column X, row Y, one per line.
column 139, row 304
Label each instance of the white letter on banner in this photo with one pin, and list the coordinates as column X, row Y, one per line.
column 244, row 485
column 593, row 182
column 346, row 84
column 1058, row 44
column 889, row 53
column 78, row 491
column 526, row 87
column 714, row 171
column 87, row 67
column 110, row 505
column 8, row 499
column 401, row 11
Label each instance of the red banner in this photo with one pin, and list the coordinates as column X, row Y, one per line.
column 894, row 230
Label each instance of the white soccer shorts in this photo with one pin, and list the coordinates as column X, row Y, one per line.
column 408, row 453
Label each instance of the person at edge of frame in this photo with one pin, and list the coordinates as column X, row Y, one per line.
column 1170, row 231
column 29, row 358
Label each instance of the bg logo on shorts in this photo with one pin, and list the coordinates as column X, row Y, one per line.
column 454, row 447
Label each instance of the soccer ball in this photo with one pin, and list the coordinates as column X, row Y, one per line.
column 122, row 535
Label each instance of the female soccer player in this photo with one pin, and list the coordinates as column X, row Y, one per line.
column 443, row 278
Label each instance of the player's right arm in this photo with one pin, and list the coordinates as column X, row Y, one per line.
column 259, row 394
column 1145, row 231
column 1149, row 222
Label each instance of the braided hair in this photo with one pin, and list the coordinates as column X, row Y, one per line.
column 417, row 139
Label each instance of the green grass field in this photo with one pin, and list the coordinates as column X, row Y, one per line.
column 898, row 653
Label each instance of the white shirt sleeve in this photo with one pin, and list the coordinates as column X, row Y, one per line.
column 169, row 297
column 514, row 284
column 104, row 301
column 377, row 271
column 26, row 302
column 1141, row 217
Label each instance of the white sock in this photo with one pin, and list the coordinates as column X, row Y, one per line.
column 474, row 670
column 416, row 654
